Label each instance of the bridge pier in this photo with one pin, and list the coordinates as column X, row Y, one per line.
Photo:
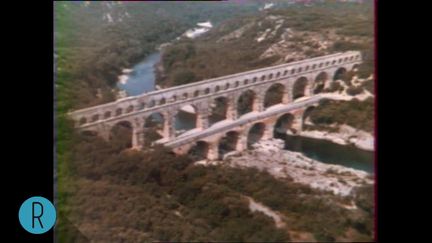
column 241, row 143
column 285, row 98
column 290, row 94
column 213, row 151
column 297, row 123
column 138, row 138
column 137, row 133
column 231, row 112
column 258, row 103
column 104, row 131
column 202, row 120
column 169, row 127
column 268, row 130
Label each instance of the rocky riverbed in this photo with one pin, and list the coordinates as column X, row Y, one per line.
column 269, row 156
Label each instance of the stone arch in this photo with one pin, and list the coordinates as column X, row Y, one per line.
column 154, row 119
column 274, row 95
column 141, row 105
column 186, row 119
column 300, row 88
column 129, row 109
column 228, row 143
column 355, row 67
column 263, row 78
column 185, row 95
column 107, row 114
column 270, row 76
column 95, row 118
column 227, row 86
column 320, row 82
column 207, row 91
column 151, row 103
column 219, row 108
column 121, row 135
column 82, row 120
column 338, row 74
column 199, row 151
column 283, row 125
column 196, row 93
column 245, row 102
column 246, row 81
column 255, row 133
column 118, row 111
column 153, row 128
column 305, row 117
column 173, row 98
column 217, row 88
column 162, row 101
column 254, row 79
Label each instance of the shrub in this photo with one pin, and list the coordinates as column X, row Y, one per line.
column 369, row 86
column 353, row 90
column 183, row 77
column 334, row 86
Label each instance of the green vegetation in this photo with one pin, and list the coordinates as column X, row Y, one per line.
column 109, row 194
column 348, row 26
column 369, row 86
column 353, row 90
column 334, row 86
column 355, row 113
column 90, row 53
column 163, row 200
column 183, row 77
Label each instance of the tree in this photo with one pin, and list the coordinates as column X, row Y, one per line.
column 353, row 90
column 183, row 77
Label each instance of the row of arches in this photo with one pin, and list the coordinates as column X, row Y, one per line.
column 245, row 103
column 230, row 141
column 300, row 89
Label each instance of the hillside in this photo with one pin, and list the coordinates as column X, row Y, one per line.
column 271, row 37
column 107, row 193
column 143, row 196
column 94, row 41
column 277, row 36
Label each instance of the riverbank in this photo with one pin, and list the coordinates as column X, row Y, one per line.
column 346, row 135
column 269, row 156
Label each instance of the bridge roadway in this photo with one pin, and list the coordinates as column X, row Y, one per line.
column 243, row 120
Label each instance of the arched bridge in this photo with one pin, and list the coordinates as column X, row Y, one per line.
column 258, row 100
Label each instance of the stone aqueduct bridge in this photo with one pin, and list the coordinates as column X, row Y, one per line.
column 200, row 95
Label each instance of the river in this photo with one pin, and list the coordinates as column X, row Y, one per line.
column 142, row 79
column 329, row 152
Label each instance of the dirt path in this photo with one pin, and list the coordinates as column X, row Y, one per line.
column 255, row 206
